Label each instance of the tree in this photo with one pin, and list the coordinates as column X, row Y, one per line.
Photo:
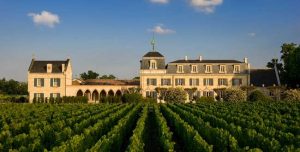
column 234, row 95
column 274, row 62
column 108, row 77
column 13, row 87
column 174, row 95
column 89, row 75
column 291, row 59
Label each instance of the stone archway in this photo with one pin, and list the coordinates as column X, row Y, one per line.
column 118, row 93
column 102, row 94
column 111, row 93
column 79, row 93
column 87, row 94
column 95, row 96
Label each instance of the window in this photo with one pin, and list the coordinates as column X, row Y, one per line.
column 38, row 96
column 208, row 82
column 165, row 82
column 208, row 68
column 153, row 64
column 194, row 69
column 179, row 82
column 222, row 69
column 223, row 82
column 151, row 82
column 194, row 82
column 180, row 69
column 38, row 82
column 236, row 69
column 236, row 82
column 55, row 82
column 208, row 93
column 151, row 94
column 54, row 95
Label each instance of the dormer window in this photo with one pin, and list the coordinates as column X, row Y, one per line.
column 208, row 68
column 194, row 69
column 236, row 69
column 49, row 68
column 153, row 64
column 222, row 69
column 179, row 68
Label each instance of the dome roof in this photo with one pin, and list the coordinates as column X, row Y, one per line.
column 153, row 54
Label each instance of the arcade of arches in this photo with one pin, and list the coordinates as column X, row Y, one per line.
column 95, row 95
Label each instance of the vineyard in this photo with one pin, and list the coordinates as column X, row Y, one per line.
column 150, row 127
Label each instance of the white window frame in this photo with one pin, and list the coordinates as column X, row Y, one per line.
column 236, row 68
column 39, row 82
column 222, row 69
column 208, row 68
column 55, row 82
column 180, row 69
column 194, row 69
column 153, row 64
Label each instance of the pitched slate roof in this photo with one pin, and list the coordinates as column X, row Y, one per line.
column 110, row 82
column 258, row 77
column 41, row 66
column 206, row 61
column 153, row 54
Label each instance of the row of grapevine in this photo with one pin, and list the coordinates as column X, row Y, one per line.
column 91, row 134
column 190, row 137
column 268, row 131
column 220, row 138
column 137, row 140
column 246, row 137
column 114, row 139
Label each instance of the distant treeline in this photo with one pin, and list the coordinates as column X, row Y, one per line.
column 12, row 87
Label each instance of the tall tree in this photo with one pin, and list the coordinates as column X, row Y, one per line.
column 274, row 62
column 290, row 69
column 89, row 75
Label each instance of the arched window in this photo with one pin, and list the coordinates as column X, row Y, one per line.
column 153, row 64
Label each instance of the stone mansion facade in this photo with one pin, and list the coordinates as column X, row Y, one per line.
column 54, row 78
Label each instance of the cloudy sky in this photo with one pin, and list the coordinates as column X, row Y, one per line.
column 111, row 36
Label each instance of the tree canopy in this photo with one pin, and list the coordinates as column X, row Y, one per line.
column 13, row 87
column 289, row 70
column 89, row 75
column 94, row 75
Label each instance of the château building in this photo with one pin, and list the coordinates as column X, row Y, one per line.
column 47, row 79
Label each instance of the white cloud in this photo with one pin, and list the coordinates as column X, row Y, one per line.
column 252, row 34
column 206, row 6
column 160, row 29
column 160, row 1
column 45, row 18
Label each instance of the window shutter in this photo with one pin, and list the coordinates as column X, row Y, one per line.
column 35, row 82
column 58, row 83
column 148, row 82
column 42, row 83
column 58, row 95
column 191, row 82
column 211, row 82
column 51, row 82
column 183, row 81
column 42, row 95
column 197, row 82
column 240, row 81
column 51, row 95
column 204, row 81
column 34, row 95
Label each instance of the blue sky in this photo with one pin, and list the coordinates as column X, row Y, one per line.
column 111, row 36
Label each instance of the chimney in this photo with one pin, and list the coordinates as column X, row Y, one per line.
column 63, row 68
column 186, row 58
column 49, row 68
column 200, row 58
column 246, row 60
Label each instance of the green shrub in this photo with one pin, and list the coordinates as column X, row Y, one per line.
column 292, row 95
column 258, row 95
column 234, row 95
column 205, row 99
column 132, row 97
column 175, row 95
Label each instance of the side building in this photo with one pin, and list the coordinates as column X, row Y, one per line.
column 203, row 75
